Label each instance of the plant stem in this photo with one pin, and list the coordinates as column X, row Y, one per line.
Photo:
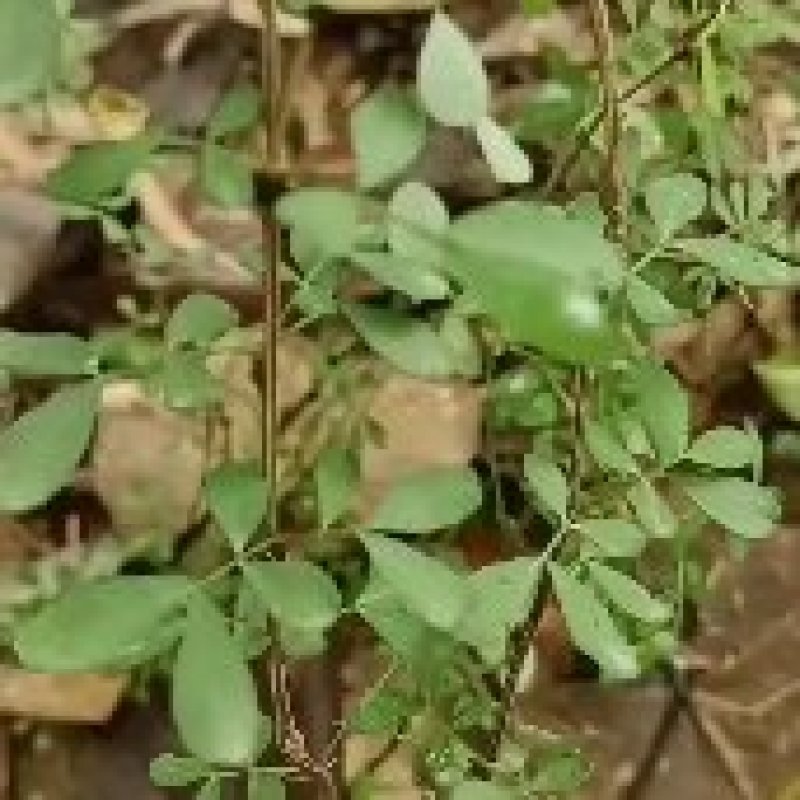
column 591, row 124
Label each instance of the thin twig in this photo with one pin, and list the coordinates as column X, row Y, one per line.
column 591, row 124
column 613, row 184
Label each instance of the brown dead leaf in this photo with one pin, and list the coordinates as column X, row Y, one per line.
column 89, row 699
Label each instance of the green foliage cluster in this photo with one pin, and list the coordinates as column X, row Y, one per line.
column 532, row 299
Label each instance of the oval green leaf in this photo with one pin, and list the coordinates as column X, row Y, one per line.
column 40, row 451
column 214, row 699
column 108, row 624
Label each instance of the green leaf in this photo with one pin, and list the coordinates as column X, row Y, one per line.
column 388, row 130
column 214, row 700
column 607, row 450
column 508, row 161
column 97, row 172
column 591, row 627
column 725, row 448
column 33, row 355
column 237, row 112
column 410, row 345
column 652, row 511
column 327, row 220
column 480, row 790
column 40, row 451
column 452, row 82
column 615, row 538
column 539, row 275
column 200, row 320
column 263, row 786
column 185, row 383
column 418, row 220
column 336, row 478
column 428, row 587
column 674, row 201
column 563, row 773
column 107, row 624
column 650, row 305
column 383, row 712
column 548, row 483
column 173, row 772
column 510, row 236
column 30, row 48
column 226, row 177
column 211, row 790
column 398, row 626
column 302, row 597
column 429, row 500
column 628, row 595
column 662, row 405
column 500, row 598
column 238, row 497
column 744, row 508
column 410, row 277
column 736, row 262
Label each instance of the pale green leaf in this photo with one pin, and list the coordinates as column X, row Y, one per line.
column 741, row 263
column 538, row 276
column 508, row 161
column 34, row 355
column 186, row 384
column 107, row 624
column 238, row 497
column 237, row 112
column 388, row 130
column 96, row 172
column 418, row 219
column 650, row 306
column 411, row 345
column 336, row 479
column 199, row 320
column 607, row 450
column 40, row 451
column 480, row 790
column 452, row 82
column 226, row 178
column 382, row 712
column 591, row 627
column 301, row 596
column 675, row 200
column 662, row 405
column 326, row 219
column 652, row 510
column 429, row 500
column 410, row 277
column 499, row 599
column 393, row 621
column 629, row 596
column 172, row 772
column 30, row 48
column 725, row 448
column 615, row 538
column 744, row 508
column 214, row 699
column 548, row 483
column 426, row 585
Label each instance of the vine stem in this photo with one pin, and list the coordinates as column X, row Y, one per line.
column 305, row 695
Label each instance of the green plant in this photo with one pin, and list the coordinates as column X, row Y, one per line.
column 548, row 300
